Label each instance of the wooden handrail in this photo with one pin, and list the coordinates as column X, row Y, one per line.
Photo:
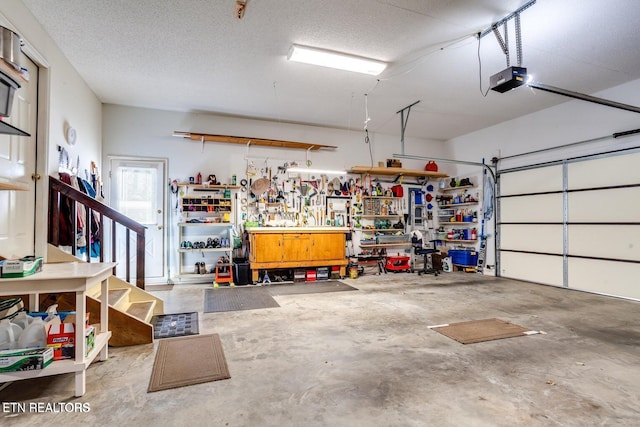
column 59, row 190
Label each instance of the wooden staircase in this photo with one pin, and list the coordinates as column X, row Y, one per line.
column 130, row 308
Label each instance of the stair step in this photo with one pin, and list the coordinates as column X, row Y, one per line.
column 117, row 297
column 142, row 310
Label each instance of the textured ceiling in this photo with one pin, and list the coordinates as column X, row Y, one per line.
column 194, row 55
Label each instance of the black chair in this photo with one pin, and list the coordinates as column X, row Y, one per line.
column 418, row 249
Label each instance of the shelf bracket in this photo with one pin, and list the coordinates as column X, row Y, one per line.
column 403, row 123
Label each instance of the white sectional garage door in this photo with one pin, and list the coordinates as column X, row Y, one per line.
column 573, row 224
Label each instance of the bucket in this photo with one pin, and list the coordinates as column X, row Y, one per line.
column 353, row 272
column 10, row 46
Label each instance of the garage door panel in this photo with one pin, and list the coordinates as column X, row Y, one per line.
column 538, row 208
column 546, row 269
column 605, row 241
column 532, row 181
column 532, row 238
column 604, row 172
column 611, row 205
column 605, row 277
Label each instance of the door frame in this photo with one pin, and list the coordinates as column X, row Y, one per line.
column 42, row 170
column 166, row 249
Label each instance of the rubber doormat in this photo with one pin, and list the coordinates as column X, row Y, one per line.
column 186, row 361
column 174, row 325
column 234, row 299
column 319, row 286
column 475, row 331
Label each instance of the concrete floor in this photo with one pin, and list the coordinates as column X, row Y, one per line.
column 367, row 358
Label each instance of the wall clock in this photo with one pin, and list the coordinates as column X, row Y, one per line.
column 71, row 136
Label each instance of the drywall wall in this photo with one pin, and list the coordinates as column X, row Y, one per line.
column 569, row 122
column 64, row 100
column 140, row 132
column 69, row 101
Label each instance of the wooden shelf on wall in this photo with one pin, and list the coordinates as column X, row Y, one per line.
column 9, row 70
column 8, row 186
column 373, row 170
column 200, row 137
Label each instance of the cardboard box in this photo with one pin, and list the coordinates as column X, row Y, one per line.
column 25, row 359
column 90, row 338
column 21, row 267
column 61, row 339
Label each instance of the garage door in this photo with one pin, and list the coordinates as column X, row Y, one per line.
column 573, row 224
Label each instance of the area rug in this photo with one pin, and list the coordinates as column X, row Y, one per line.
column 240, row 298
column 475, row 331
column 319, row 286
column 174, row 325
column 205, row 362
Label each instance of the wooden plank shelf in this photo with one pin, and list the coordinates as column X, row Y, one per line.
column 8, row 186
column 205, row 137
column 373, row 170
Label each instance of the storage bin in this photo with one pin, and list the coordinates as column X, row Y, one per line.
column 464, row 257
column 241, row 273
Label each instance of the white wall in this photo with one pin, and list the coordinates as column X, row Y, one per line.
column 65, row 99
column 140, row 132
column 569, row 122
column 145, row 132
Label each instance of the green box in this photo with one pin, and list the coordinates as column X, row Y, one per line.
column 26, row 359
column 21, row 267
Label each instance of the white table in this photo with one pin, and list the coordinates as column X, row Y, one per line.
column 75, row 277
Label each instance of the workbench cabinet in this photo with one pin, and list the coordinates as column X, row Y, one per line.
column 296, row 247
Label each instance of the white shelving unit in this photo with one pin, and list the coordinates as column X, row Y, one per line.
column 77, row 277
column 205, row 233
column 451, row 210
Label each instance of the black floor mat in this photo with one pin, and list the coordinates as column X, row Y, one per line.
column 174, row 325
column 233, row 299
column 316, row 287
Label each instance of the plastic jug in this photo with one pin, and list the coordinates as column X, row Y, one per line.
column 9, row 334
column 447, row 266
column 35, row 336
column 22, row 319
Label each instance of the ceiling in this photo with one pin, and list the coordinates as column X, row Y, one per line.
column 195, row 55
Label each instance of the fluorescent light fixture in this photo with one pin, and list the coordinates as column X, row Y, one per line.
column 318, row 171
column 331, row 59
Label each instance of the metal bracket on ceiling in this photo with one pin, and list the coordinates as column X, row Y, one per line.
column 504, row 43
column 403, row 123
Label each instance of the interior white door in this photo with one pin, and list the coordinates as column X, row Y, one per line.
column 17, row 165
column 138, row 191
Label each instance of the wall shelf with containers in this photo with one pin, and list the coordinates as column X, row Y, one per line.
column 205, row 234
column 382, row 222
column 458, row 213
